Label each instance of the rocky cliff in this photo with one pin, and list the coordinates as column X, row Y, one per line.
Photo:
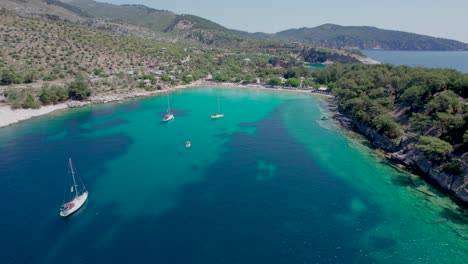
column 404, row 152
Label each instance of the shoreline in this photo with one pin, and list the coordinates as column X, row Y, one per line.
column 9, row 117
column 409, row 164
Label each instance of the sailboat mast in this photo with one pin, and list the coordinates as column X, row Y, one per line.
column 218, row 105
column 73, row 176
column 168, row 104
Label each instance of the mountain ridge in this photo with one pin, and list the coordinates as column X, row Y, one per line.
column 327, row 35
column 368, row 37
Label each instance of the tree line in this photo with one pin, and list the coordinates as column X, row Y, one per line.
column 27, row 98
column 427, row 104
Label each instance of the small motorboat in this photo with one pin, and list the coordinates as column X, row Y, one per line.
column 187, row 144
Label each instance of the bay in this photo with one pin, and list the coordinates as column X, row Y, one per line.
column 457, row 60
column 269, row 183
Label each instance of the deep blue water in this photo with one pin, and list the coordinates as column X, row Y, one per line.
column 269, row 183
column 230, row 217
column 457, row 60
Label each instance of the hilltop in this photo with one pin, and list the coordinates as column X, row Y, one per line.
column 364, row 37
column 327, row 35
column 157, row 20
column 51, row 39
column 131, row 19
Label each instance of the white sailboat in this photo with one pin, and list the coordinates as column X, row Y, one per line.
column 169, row 116
column 80, row 194
column 218, row 114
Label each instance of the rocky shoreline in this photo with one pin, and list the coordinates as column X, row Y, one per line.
column 406, row 156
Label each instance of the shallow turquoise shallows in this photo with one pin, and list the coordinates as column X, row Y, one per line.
column 271, row 182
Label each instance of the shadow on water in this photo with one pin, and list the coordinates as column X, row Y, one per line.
column 383, row 243
column 404, row 181
column 455, row 217
column 367, row 144
column 136, row 105
column 111, row 123
column 176, row 112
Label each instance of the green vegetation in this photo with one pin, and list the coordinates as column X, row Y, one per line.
column 428, row 105
column 434, row 147
column 10, row 75
column 53, row 95
column 61, row 52
column 363, row 37
column 208, row 32
column 31, row 98
column 274, row 81
column 79, row 90
column 21, row 98
column 385, row 125
column 30, row 102
column 293, row 82
column 64, row 51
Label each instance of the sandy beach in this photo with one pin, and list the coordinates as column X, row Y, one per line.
column 9, row 116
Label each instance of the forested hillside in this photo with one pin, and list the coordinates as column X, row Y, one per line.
column 363, row 37
column 39, row 52
column 418, row 114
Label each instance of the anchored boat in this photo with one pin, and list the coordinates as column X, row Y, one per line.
column 78, row 191
column 169, row 116
column 218, row 114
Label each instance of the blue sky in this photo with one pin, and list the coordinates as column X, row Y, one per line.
column 447, row 19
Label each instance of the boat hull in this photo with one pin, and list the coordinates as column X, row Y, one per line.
column 168, row 118
column 78, row 203
column 217, row 116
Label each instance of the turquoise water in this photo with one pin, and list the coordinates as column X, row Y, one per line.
column 268, row 183
column 457, row 60
column 316, row 66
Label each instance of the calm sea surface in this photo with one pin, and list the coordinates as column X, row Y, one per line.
column 268, row 183
column 457, row 60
